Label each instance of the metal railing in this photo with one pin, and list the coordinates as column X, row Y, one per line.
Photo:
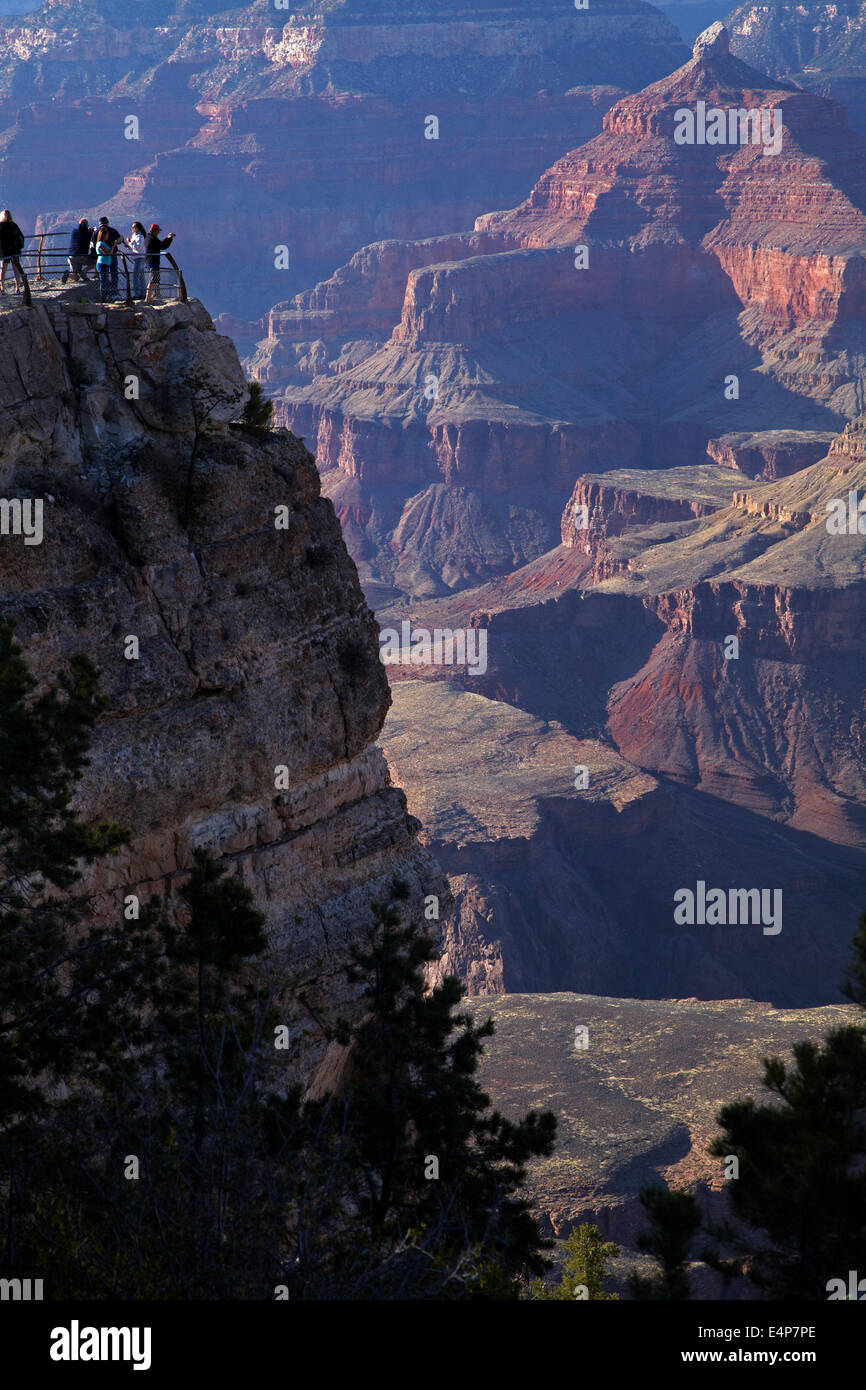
column 44, row 264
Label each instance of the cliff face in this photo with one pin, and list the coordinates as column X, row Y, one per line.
column 535, row 851
column 769, row 453
column 256, row 650
column 821, row 46
column 649, row 297
column 243, row 113
column 775, row 727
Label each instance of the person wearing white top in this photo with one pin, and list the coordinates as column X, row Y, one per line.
column 135, row 241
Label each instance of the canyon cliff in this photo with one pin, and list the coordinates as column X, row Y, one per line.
column 820, row 46
column 255, row 647
column 698, row 651
column 649, row 297
column 605, row 429
column 305, row 128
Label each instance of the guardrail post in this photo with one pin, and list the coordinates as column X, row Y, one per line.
column 181, row 284
column 26, row 298
column 126, row 273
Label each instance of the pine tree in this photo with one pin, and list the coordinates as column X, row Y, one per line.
column 170, row 1186
column 675, row 1220
column 43, row 751
column 801, row 1185
column 583, row 1269
column 410, row 1182
column 801, row 1182
column 258, row 411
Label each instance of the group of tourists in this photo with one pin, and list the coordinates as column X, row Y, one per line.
column 99, row 246
column 94, row 248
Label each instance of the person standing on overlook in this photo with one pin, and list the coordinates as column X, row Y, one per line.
column 137, row 241
column 11, row 246
column 106, row 255
column 114, row 239
column 154, row 247
column 79, row 247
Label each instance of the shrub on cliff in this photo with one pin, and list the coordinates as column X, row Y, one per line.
column 258, row 411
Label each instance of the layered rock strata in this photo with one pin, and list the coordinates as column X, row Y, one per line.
column 565, row 858
column 770, row 453
column 651, row 295
column 606, row 504
column 246, row 718
column 720, row 653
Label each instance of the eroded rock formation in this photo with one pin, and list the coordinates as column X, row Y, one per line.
column 712, row 639
column 256, row 649
column 651, row 295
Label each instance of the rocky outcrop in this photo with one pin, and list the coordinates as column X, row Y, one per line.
column 239, row 659
column 770, row 453
column 496, row 793
column 768, row 722
column 606, row 504
column 322, row 109
column 745, row 796
column 650, row 295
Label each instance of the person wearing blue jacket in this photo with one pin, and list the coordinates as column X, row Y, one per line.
column 79, row 251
